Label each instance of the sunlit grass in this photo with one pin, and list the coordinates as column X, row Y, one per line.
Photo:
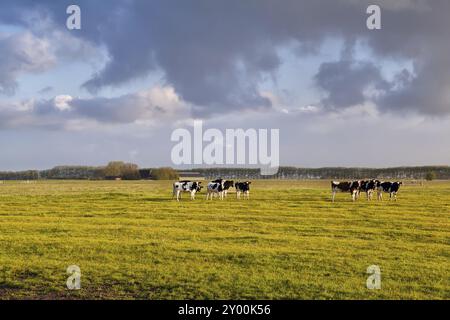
column 131, row 240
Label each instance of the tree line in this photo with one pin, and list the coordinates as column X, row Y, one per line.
column 128, row 171
column 338, row 173
column 115, row 170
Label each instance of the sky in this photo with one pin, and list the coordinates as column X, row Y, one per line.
column 340, row 94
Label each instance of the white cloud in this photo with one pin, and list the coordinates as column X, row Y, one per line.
column 62, row 102
column 154, row 107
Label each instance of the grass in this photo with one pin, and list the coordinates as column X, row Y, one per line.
column 132, row 241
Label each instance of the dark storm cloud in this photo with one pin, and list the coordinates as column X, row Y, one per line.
column 428, row 92
column 345, row 82
column 216, row 53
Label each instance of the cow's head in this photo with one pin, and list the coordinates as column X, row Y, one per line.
column 199, row 186
column 246, row 185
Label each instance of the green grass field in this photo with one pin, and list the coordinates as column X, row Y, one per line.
column 132, row 241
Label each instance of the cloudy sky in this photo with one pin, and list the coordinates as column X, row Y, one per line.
column 341, row 95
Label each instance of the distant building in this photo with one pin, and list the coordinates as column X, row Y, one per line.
column 190, row 175
column 117, row 178
column 145, row 173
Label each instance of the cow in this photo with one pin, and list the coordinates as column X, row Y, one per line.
column 186, row 186
column 227, row 184
column 215, row 187
column 369, row 187
column 243, row 187
column 389, row 187
column 346, row 186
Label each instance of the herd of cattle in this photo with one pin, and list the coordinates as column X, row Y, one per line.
column 367, row 186
column 220, row 188
column 217, row 187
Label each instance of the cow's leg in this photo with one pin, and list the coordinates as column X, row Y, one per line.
column 248, row 195
column 353, row 196
column 380, row 195
column 394, row 196
column 238, row 195
column 192, row 195
column 178, row 195
column 333, row 195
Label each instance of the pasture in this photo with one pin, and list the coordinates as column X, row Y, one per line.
column 289, row 241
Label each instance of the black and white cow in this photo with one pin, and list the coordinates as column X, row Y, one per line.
column 345, row 186
column 227, row 184
column 243, row 187
column 369, row 187
column 186, row 186
column 389, row 187
column 215, row 187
